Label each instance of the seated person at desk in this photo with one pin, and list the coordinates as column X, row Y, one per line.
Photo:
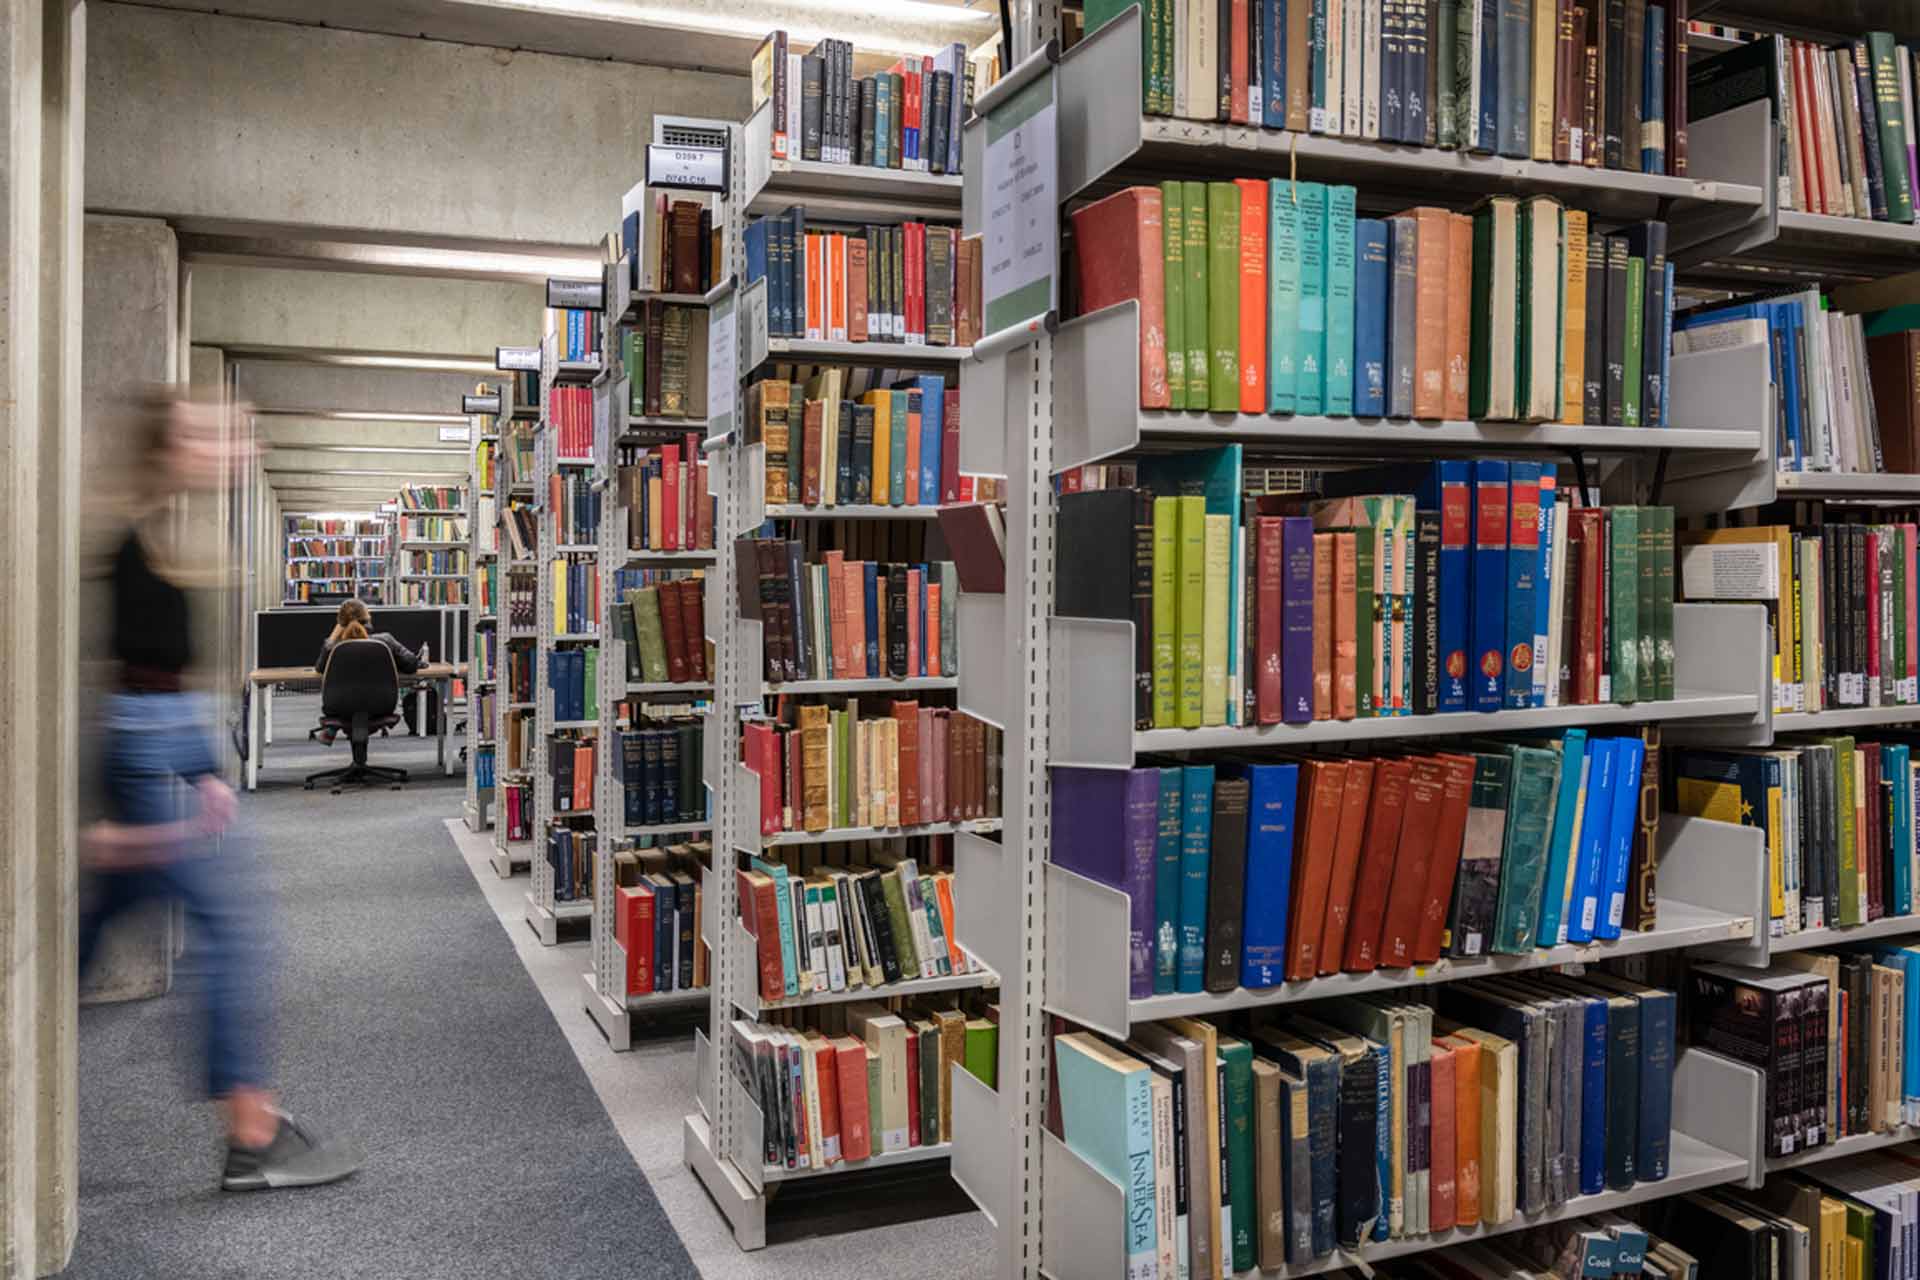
column 353, row 622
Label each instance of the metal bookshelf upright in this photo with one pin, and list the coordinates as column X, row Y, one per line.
column 483, row 607
column 723, row 1135
column 513, row 488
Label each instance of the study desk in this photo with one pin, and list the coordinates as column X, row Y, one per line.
column 265, row 679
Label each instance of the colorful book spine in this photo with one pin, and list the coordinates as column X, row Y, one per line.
column 1283, row 292
column 1523, row 580
column 1489, row 585
column 1340, row 300
column 1310, row 341
column 1371, row 302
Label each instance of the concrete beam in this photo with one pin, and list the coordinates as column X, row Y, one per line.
column 313, row 128
column 279, row 386
column 286, row 432
column 361, row 312
column 426, row 463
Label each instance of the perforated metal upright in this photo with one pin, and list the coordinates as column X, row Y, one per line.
column 482, row 621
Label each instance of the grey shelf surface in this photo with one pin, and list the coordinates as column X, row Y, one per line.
column 882, row 685
column 1840, row 934
column 1842, row 718
column 756, row 1007
column 1843, row 484
column 842, row 835
column 1852, row 1145
column 881, row 1160
column 849, row 511
column 884, row 355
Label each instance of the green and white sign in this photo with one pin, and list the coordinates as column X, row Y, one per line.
column 1022, row 207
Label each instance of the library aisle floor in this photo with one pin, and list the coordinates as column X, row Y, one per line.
column 418, row 1013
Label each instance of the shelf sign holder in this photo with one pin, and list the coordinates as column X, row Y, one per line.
column 578, row 295
column 687, row 168
column 1020, row 211
column 518, row 359
column 486, row 405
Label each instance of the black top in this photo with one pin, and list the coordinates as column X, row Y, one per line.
column 405, row 660
column 152, row 627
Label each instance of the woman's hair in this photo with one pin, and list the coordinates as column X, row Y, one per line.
column 353, row 620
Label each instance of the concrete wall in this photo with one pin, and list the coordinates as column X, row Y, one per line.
column 275, row 123
column 361, row 311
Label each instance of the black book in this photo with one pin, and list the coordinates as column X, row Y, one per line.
column 1754, row 1016
column 1856, row 979
column 1636, row 74
column 1616, row 330
column 1869, row 128
column 831, row 138
column 936, row 128
column 843, row 454
column 1426, row 600
column 1476, row 885
column 560, row 765
column 1727, row 1239
column 863, row 107
column 1743, row 74
column 1594, row 412
column 1356, row 1138
column 897, row 621
column 1813, row 1075
column 685, row 918
column 799, row 614
column 1434, row 71
column 812, row 88
column 1648, row 242
column 1226, row 877
column 705, row 250
column 1094, row 532
column 876, row 900
column 1223, row 107
column 862, row 454
column 1860, row 592
column 650, row 762
column 1614, row 92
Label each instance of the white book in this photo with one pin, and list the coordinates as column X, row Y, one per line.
column 1557, row 595
column 1353, row 59
column 1203, row 55
column 1820, row 395
column 836, row 938
column 1370, row 70
column 912, row 890
column 1336, row 117
column 1871, row 457
column 1793, row 182
column 1182, row 69
column 794, row 81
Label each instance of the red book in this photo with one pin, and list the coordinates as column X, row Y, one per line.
column 1806, row 128
column 812, row 417
column 1118, row 252
column 913, row 1087
column 906, row 714
column 1450, row 831
column 763, row 757
column 1266, row 619
column 758, row 915
column 950, row 446
column 1407, row 894
column 1589, row 538
column 1313, row 863
column 693, row 612
column 670, row 495
column 850, row 1071
column 1237, row 72
column 673, row 632
column 1354, row 798
column 1440, row 1144
column 1378, row 861
column 1253, row 284
column 1323, row 626
column 933, row 628
column 827, row 1073
column 633, row 929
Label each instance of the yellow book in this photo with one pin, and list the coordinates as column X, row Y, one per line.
column 656, row 508
column 1833, row 1238
column 882, row 402
column 1573, row 341
column 559, row 595
column 1213, row 689
column 1855, row 1259
column 1205, row 1183
column 1722, row 802
column 1546, row 31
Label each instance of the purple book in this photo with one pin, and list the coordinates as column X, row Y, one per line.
column 1105, row 826
column 1296, row 619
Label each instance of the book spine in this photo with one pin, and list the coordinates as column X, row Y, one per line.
column 1489, row 569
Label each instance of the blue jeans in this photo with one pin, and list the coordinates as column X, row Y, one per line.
column 157, row 745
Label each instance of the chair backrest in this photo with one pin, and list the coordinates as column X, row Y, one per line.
column 360, row 677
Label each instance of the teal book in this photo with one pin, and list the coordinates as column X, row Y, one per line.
column 1523, row 865
column 1339, row 290
column 1166, row 886
column 783, row 900
column 897, row 459
column 1556, row 888
column 1196, row 850
column 1106, row 1118
column 1283, row 296
column 1310, row 339
column 1237, row 1057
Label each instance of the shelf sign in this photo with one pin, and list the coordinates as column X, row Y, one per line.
column 1023, row 206
column 723, row 363
column 517, row 359
column 459, row 435
column 688, row 168
column 475, row 404
column 580, row 295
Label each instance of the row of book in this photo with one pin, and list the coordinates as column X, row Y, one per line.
column 1596, row 1247
column 1838, row 821
column 570, row 416
column 454, row 561
column 1843, row 599
column 898, row 764
column 668, row 634
column 846, row 619
column 429, row 497
column 657, row 898
column 1271, row 296
column 906, row 117
column 302, row 592
column 576, row 593
column 570, row 853
column 1386, row 1119
column 575, row 333
column 1251, row 875
column 839, row 1085
column 375, row 567
column 575, row 503
column 1845, row 115
column 483, row 770
column 326, row 570
column 896, row 446
column 483, row 662
column 916, row 283
column 1845, row 1219
column 667, row 242
column 666, row 491
column 849, row 927
column 661, row 771
column 1476, row 586
column 335, row 547
column 574, row 676
column 482, row 702
column 315, row 525
column 521, row 524
column 433, row 528
column 442, row 591
column 570, row 760
column 664, row 355
column 486, row 456
column 514, row 460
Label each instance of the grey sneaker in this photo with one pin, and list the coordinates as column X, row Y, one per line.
column 296, row 1157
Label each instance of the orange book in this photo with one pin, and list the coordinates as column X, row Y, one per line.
column 1313, row 863
column 1346, row 627
column 1443, row 1144
column 837, row 286
column 582, row 778
column 1253, row 292
column 826, row 1066
column 835, row 562
column 1459, row 310
column 854, row 591
column 1237, row 72
column 1450, row 831
column 911, row 497
column 1466, row 1128
column 1379, row 866
column 856, row 289
column 816, row 284
column 812, row 419
column 1433, row 247
column 850, row 1071
column 882, row 402
column 943, row 892
column 1426, row 785
column 1323, row 626
column 1346, row 861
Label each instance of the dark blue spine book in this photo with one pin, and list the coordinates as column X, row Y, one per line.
column 1392, row 73
column 1417, row 45
column 1489, row 587
column 1370, row 306
column 1593, row 1100
column 919, row 605
column 1196, row 846
column 756, row 242
column 666, row 942
column 1453, row 497
column 1296, row 619
column 933, row 397
column 685, row 926
column 1273, row 69
column 1659, row 1016
column 668, row 791
column 1515, row 54
column 872, row 615
column 1269, row 873
column 1166, row 884
column 1489, row 132
column 1653, row 93
column 1523, row 572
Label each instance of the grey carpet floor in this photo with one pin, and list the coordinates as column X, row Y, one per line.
column 404, row 1019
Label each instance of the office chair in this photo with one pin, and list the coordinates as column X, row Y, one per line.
column 358, row 694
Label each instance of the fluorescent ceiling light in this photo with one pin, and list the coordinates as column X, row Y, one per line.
column 361, row 415
column 361, row 359
column 335, row 515
column 294, row 446
column 753, row 22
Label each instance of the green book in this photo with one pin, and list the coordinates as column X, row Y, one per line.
column 1647, row 575
column 1173, row 258
column 634, row 357
column 1194, row 243
column 1890, row 111
column 1623, row 601
column 1237, row 1055
column 928, row 1036
column 1339, row 290
column 1492, row 348
column 1214, row 622
column 1523, row 863
column 1445, row 127
column 1365, row 579
column 1283, row 295
column 1636, row 337
column 1166, row 589
column 592, row 707
column 873, row 1094
column 897, row 458
column 903, row 948
column 1310, row 334
column 982, row 1053
column 1850, row 868
column 1663, row 587
column 1192, row 607
column 1154, row 98
column 1223, row 296
column 645, row 603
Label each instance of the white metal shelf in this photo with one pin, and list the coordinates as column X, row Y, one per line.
column 1839, row 935
column 632, row 556
column 750, row 1003
column 1843, row 484
column 852, row 835
column 849, row 511
column 1840, row 1148
column 669, row 686
column 882, row 685
column 886, row 355
column 1843, row 718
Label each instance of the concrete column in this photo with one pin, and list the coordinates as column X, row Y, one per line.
column 42, row 80
column 132, row 336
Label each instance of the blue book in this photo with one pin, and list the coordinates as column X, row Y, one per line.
column 1370, row 302
column 1515, row 60
column 1907, row 960
column 1283, row 295
column 756, row 243
column 1666, row 346
column 1383, row 1149
column 1339, row 275
column 1487, row 137
column 1554, row 889
column 1653, row 90
column 1310, row 340
column 869, row 581
column 897, row 469
column 933, row 400
column 1106, row 1118
column 1166, row 885
column 1263, row 932
column 1488, row 636
column 1897, row 768
column 1629, row 754
column 1590, row 850
column 1780, row 319
column 1273, row 70
column 1523, row 569
column 1593, row 1099
column 666, row 936
column 783, row 908
column 1543, row 582
column 1196, row 845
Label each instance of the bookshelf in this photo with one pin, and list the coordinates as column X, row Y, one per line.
column 431, row 560
column 483, row 618
column 513, row 491
column 335, row 555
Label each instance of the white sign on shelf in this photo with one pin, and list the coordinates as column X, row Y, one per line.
column 460, row 435
column 723, row 363
column 512, row 359
column 474, row 404
column 688, row 168
column 752, row 323
column 1023, row 206
column 585, row 295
